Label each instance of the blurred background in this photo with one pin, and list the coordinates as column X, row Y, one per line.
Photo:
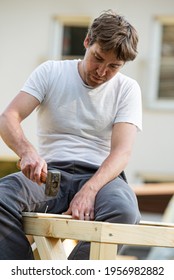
column 38, row 30
column 32, row 31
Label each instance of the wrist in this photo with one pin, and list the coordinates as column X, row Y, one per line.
column 28, row 150
column 91, row 188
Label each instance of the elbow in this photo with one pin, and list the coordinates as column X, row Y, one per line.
column 126, row 156
column 123, row 157
column 2, row 121
column 5, row 119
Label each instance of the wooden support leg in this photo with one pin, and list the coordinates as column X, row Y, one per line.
column 103, row 251
column 50, row 248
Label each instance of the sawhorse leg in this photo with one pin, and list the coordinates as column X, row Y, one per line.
column 50, row 248
column 103, row 251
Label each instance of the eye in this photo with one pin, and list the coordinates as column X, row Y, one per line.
column 98, row 58
column 115, row 66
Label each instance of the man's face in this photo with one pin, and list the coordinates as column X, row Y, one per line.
column 98, row 66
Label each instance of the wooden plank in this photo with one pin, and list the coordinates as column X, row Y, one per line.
column 155, row 177
column 69, row 245
column 156, row 224
column 103, row 251
column 45, row 215
column 101, row 232
column 143, row 235
column 154, row 189
column 62, row 228
column 50, row 248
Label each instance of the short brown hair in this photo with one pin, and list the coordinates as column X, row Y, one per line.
column 114, row 32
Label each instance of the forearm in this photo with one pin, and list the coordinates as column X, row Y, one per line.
column 13, row 135
column 123, row 137
column 83, row 202
column 113, row 165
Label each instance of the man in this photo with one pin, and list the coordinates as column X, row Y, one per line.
column 88, row 117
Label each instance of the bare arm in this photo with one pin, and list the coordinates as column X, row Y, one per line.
column 123, row 137
column 12, row 134
column 122, row 141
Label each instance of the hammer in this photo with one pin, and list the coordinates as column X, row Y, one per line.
column 51, row 181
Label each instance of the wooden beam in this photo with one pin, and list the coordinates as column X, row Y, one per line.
column 143, row 235
column 103, row 251
column 153, row 189
column 50, row 248
column 61, row 228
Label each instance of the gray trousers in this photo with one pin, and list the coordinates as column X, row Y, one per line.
column 115, row 203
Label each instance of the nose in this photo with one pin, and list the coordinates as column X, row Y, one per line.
column 101, row 70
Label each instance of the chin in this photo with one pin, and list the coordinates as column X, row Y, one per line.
column 94, row 83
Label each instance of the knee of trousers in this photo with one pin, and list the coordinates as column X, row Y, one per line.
column 129, row 215
column 117, row 214
column 117, row 204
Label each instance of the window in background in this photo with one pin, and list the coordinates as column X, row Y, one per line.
column 69, row 33
column 166, row 77
column 161, row 74
column 73, row 37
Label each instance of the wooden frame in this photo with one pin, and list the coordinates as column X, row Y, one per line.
column 50, row 229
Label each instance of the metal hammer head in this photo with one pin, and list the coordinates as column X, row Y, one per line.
column 51, row 179
column 52, row 183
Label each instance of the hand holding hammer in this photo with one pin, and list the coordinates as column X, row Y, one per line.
column 51, row 180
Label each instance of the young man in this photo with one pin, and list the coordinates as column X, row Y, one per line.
column 88, row 117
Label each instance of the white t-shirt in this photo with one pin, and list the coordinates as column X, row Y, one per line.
column 74, row 120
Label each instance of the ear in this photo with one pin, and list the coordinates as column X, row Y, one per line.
column 86, row 42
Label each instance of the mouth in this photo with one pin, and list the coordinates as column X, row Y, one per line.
column 98, row 80
column 94, row 81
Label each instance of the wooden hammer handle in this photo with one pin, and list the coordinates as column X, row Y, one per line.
column 43, row 176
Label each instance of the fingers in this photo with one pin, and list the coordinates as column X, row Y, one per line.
column 87, row 217
column 80, row 215
column 68, row 212
column 39, row 176
column 82, row 206
column 36, row 170
column 74, row 213
column 92, row 215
